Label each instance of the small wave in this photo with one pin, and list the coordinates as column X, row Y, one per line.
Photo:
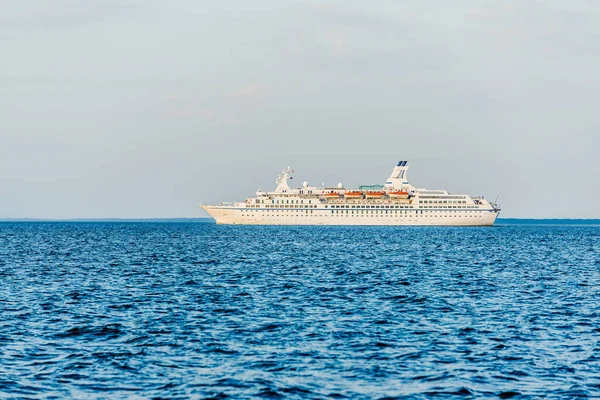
column 269, row 328
column 207, row 311
column 508, row 394
column 120, row 306
column 105, row 331
column 463, row 391
column 204, row 262
column 269, row 393
column 218, row 350
column 296, row 390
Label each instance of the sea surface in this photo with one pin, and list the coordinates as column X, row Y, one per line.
column 196, row 310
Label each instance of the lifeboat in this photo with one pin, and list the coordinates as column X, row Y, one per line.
column 333, row 195
column 353, row 194
column 374, row 195
column 398, row 195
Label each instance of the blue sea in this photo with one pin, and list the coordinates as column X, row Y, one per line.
column 196, row 310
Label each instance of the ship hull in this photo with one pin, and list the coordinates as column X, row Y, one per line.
column 236, row 216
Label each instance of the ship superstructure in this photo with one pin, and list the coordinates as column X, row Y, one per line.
column 396, row 202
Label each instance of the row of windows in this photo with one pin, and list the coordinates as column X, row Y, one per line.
column 297, row 211
column 395, row 211
column 448, row 206
column 445, row 201
column 340, row 213
column 442, row 197
column 442, row 202
column 347, row 206
column 288, row 201
column 363, row 206
column 281, row 201
column 282, row 206
column 315, row 206
column 371, row 211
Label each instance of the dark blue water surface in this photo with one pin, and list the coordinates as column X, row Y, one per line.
column 198, row 310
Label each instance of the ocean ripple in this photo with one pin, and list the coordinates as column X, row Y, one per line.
column 183, row 310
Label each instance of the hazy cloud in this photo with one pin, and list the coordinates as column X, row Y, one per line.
column 142, row 108
column 249, row 91
column 29, row 16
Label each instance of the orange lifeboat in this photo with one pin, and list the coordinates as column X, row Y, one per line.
column 353, row 194
column 398, row 195
column 333, row 195
column 374, row 195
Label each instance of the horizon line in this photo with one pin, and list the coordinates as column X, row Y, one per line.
column 207, row 219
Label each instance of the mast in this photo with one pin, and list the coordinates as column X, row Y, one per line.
column 282, row 184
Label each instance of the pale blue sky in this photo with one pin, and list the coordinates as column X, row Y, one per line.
column 143, row 108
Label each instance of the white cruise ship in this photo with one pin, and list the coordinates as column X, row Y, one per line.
column 395, row 203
